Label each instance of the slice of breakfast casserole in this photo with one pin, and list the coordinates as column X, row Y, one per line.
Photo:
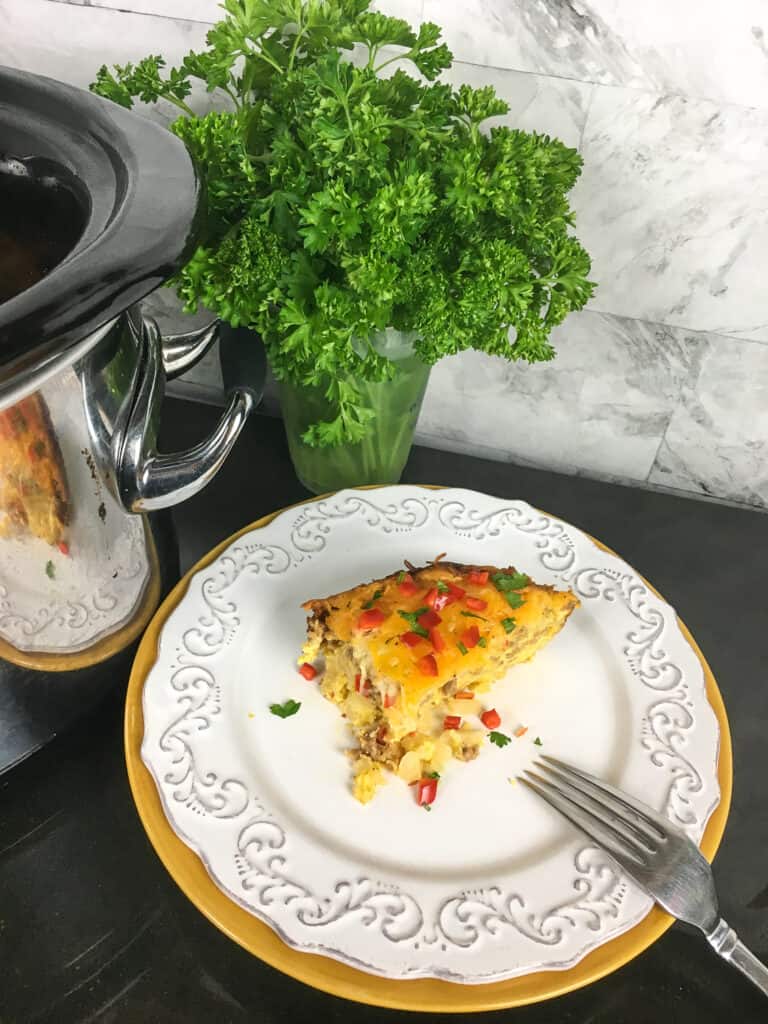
column 407, row 656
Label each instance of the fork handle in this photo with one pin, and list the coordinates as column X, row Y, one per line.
column 727, row 944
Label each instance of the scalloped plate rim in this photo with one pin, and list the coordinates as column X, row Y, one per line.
column 319, row 948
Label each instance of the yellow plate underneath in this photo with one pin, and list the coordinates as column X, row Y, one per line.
column 425, row 994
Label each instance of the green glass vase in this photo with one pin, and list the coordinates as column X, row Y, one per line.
column 380, row 457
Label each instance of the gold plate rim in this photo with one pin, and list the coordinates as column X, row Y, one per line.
column 324, row 973
column 109, row 645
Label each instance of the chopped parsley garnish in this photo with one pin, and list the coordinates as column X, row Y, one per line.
column 442, row 588
column 50, row 570
column 412, row 618
column 499, row 738
column 420, row 631
column 290, row 707
column 433, row 775
column 461, row 647
column 482, row 642
column 369, row 604
column 507, row 583
column 473, row 615
column 510, row 580
column 537, row 742
column 508, row 624
column 401, row 576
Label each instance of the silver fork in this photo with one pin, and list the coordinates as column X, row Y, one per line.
column 651, row 850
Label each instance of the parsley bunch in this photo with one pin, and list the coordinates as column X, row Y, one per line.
column 341, row 202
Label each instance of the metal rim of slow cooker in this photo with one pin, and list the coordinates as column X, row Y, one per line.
column 144, row 194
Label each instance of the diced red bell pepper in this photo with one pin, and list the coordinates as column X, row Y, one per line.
column 63, row 547
column 429, row 619
column 470, row 636
column 456, row 592
column 452, row 721
column 480, row 577
column 390, row 699
column 426, row 791
column 408, row 587
column 371, row 618
column 411, row 639
column 464, row 695
column 427, row 665
column 362, row 685
column 477, row 604
column 437, row 600
column 436, row 640
column 308, row 671
column 491, row 719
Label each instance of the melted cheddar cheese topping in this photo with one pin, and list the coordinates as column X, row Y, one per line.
column 394, row 658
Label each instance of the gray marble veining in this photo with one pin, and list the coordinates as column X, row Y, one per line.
column 191, row 10
column 70, row 42
column 717, row 439
column 673, row 206
column 699, row 48
column 602, row 405
column 209, row 11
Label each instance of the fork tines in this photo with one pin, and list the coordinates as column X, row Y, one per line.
column 626, row 828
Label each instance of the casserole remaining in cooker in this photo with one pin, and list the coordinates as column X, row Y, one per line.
column 34, row 496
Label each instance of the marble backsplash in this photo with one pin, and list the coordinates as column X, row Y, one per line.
column 663, row 380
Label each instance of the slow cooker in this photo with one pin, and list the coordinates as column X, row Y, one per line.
column 98, row 207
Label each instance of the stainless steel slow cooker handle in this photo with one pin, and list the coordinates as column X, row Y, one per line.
column 182, row 351
column 179, row 351
column 148, row 480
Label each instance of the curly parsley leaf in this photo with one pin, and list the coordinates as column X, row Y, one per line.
column 499, row 738
column 143, row 81
column 285, row 710
column 479, row 104
column 340, row 202
column 510, row 580
column 508, row 584
column 412, row 618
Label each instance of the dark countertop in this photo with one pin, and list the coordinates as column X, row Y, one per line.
column 93, row 929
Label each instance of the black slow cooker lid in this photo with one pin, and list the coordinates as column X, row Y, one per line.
column 122, row 193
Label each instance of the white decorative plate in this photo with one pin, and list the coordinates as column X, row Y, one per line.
column 490, row 885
